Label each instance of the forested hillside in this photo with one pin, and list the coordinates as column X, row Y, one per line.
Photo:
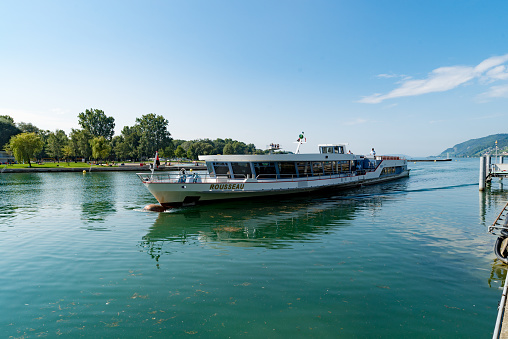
column 478, row 147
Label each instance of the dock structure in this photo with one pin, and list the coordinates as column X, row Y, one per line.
column 490, row 169
column 500, row 228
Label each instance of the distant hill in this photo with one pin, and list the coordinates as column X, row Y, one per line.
column 478, row 147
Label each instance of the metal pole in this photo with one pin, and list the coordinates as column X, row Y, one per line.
column 500, row 312
column 482, row 173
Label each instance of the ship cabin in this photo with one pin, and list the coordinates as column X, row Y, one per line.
column 332, row 160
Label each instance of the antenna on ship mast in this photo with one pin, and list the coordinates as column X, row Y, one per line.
column 301, row 140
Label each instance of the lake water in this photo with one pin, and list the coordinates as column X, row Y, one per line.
column 411, row 258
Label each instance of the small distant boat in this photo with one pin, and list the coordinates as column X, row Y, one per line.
column 249, row 176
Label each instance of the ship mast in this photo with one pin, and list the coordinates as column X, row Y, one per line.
column 301, row 140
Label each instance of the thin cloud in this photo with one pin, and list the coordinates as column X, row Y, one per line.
column 355, row 122
column 389, row 76
column 445, row 78
column 495, row 92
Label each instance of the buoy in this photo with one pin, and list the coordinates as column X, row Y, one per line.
column 154, row 208
column 84, row 171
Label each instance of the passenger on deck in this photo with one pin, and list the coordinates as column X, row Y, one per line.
column 373, row 153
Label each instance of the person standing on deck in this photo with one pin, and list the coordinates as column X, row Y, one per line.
column 373, row 153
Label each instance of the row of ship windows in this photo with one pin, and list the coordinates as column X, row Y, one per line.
column 392, row 170
column 280, row 169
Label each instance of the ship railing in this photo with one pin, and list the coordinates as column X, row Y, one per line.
column 166, row 177
column 187, row 178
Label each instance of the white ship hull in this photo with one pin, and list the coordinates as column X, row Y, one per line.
column 173, row 190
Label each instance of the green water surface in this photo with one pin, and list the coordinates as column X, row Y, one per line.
column 411, row 258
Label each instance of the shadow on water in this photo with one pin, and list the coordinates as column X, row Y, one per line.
column 273, row 223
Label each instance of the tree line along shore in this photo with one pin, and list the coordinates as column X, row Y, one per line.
column 95, row 140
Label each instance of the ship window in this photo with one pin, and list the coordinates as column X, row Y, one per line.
column 344, row 166
column 328, row 166
column 287, row 169
column 339, row 149
column 265, row 169
column 303, row 169
column 388, row 171
column 241, row 169
column 317, row 168
column 221, row 168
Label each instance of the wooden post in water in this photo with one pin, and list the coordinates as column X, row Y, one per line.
column 482, row 172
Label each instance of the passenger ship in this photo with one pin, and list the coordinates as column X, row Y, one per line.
column 249, row 176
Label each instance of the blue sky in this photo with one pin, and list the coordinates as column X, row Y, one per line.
column 405, row 77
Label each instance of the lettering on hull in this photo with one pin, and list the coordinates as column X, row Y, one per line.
column 226, row 186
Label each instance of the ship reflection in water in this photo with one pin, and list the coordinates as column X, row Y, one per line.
column 272, row 224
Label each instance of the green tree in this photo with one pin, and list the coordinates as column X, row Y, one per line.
column 81, row 139
column 73, row 144
column 25, row 146
column 97, row 123
column 180, row 152
column 200, row 147
column 169, row 151
column 44, row 134
column 27, row 127
column 55, row 144
column 7, row 118
column 122, row 151
column 190, row 153
column 154, row 134
column 7, row 130
column 68, row 151
column 218, row 145
column 228, row 149
column 100, row 148
column 131, row 138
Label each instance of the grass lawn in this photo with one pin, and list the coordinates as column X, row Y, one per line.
column 55, row 165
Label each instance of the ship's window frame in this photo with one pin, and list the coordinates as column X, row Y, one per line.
column 287, row 169
column 304, row 168
column 344, row 166
column 241, row 169
column 263, row 170
column 223, row 167
column 317, row 168
column 328, row 167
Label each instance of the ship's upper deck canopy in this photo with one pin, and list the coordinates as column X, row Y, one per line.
column 326, row 152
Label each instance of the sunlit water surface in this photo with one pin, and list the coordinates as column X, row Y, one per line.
column 410, row 258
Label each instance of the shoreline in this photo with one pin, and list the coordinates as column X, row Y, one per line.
column 127, row 168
